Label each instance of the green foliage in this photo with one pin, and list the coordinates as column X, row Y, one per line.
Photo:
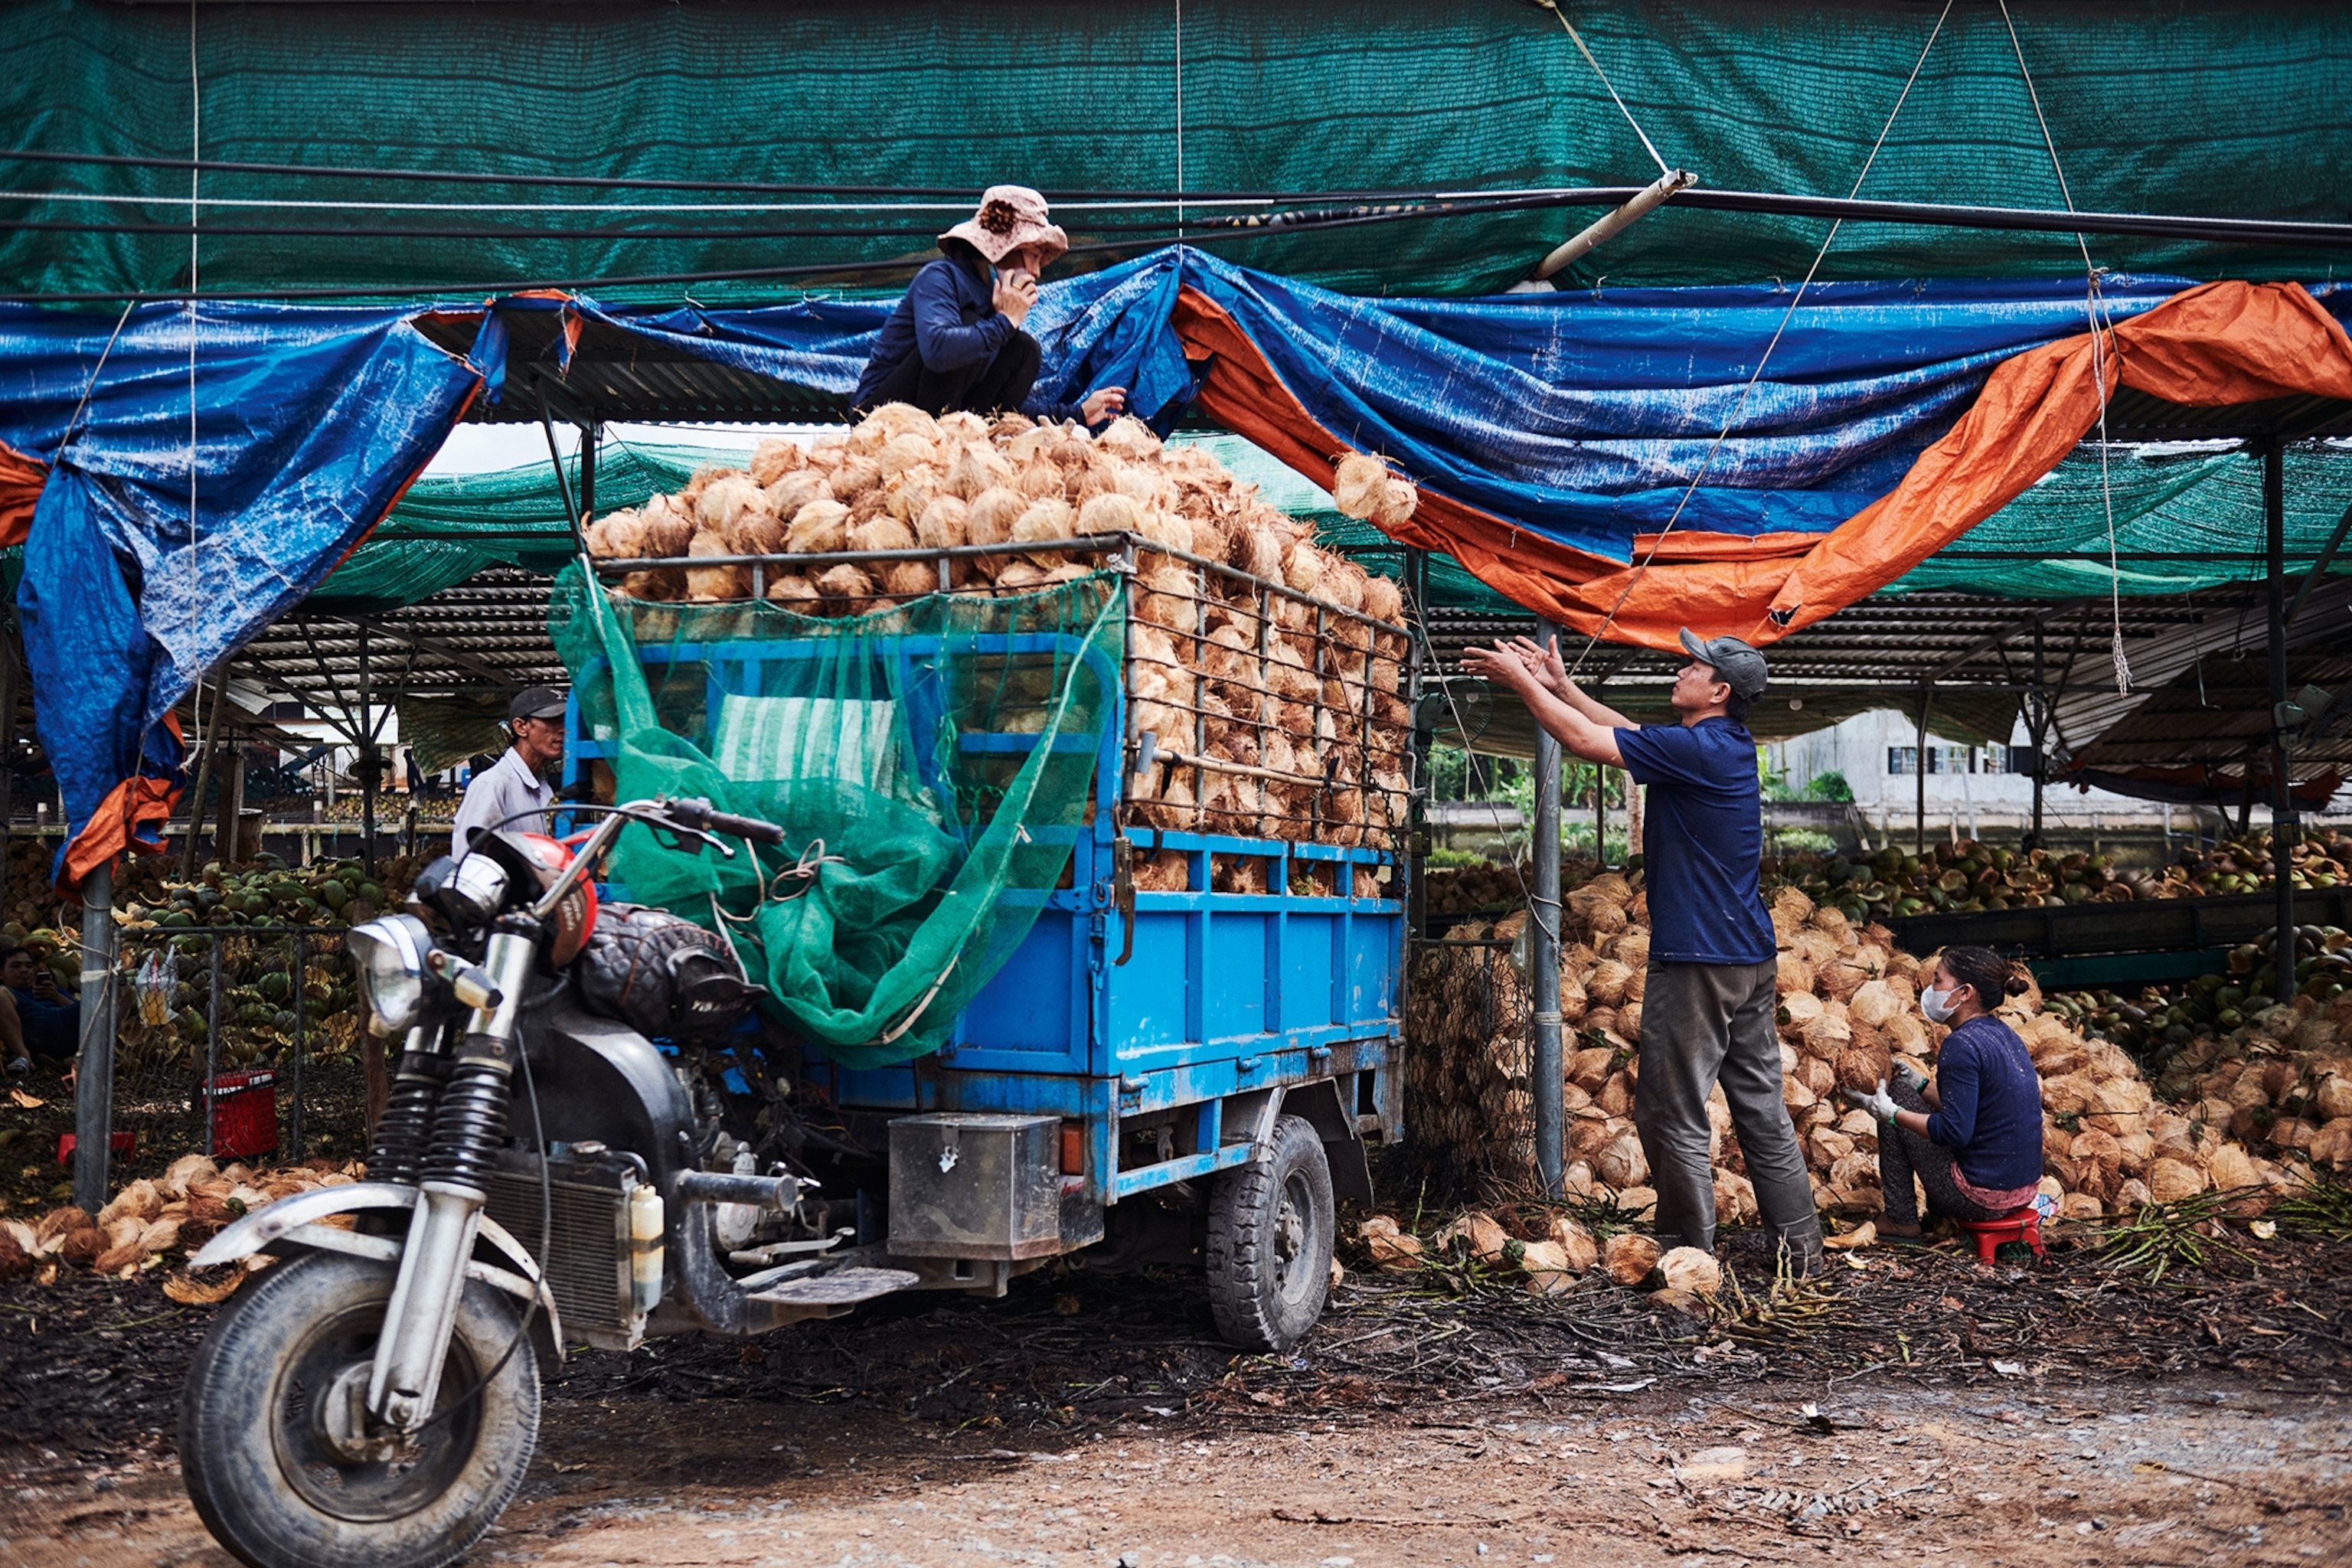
column 1830, row 787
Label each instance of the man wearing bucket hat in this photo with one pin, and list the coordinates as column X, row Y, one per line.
column 955, row 341
column 1709, row 998
column 516, row 786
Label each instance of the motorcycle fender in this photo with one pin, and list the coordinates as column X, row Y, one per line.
column 293, row 1223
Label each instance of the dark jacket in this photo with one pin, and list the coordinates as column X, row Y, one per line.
column 51, row 1028
column 950, row 317
column 1992, row 1115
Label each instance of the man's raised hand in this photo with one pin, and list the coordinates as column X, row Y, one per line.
column 1543, row 662
column 1105, row 403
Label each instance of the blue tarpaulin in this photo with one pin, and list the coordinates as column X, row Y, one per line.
column 160, row 544
column 1581, row 417
column 1577, row 419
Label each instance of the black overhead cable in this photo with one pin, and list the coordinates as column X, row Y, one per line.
column 1406, row 207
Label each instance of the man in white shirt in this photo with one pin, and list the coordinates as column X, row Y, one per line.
column 515, row 785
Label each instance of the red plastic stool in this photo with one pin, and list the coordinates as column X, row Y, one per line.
column 2017, row 1225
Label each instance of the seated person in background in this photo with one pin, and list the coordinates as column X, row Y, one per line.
column 1972, row 1134
column 955, row 341
column 35, row 1017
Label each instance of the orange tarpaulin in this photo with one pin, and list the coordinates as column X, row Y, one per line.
column 2217, row 344
column 21, row 479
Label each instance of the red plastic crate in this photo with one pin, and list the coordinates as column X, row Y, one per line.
column 245, row 1113
column 124, row 1143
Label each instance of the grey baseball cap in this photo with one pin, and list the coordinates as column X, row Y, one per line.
column 536, row 702
column 1735, row 663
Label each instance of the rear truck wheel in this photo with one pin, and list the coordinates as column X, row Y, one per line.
column 281, row 1460
column 1271, row 1227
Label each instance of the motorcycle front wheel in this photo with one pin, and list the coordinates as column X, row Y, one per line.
column 266, row 1442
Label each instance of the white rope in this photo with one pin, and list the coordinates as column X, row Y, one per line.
column 1741, row 406
column 196, row 175
column 2102, row 327
column 1577, row 39
column 1180, row 119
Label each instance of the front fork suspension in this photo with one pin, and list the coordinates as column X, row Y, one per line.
column 469, row 1124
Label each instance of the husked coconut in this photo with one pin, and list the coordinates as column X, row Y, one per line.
column 1109, row 513
column 1689, row 1269
column 725, row 494
column 943, row 524
column 820, row 528
column 1629, row 1257
column 892, row 420
column 1129, row 437
column 706, row 584
column 1395, row 508
column 793, row 592
column 884, row 532
column 855, row 476
column 616, row 536
column 1051, row 518
column 1358, row 484
column 901, row 453
column 992, row 513
column 797, row 489
column 773, row 458
column 974, row 469
column 754, row 530
column 668, row 529
column 846, row 588
column 904, row 579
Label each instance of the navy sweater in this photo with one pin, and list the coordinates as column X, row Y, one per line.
column 950, row 317
column 1992, row 1115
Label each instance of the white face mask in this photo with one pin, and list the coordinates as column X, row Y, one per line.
column 1936, row 1004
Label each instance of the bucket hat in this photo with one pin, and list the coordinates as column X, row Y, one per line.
column 1010, row 217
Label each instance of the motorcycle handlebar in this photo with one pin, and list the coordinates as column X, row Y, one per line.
column 699, row 814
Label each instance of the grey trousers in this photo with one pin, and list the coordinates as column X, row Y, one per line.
column 1703, row 1023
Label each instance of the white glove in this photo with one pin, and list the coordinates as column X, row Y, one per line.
column 1878, row 1102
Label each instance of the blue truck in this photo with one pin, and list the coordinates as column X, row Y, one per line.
column 1154, row 1076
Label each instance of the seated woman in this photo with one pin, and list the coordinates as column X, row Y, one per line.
column 35, row 1017
column 1973, row 1134
column 955, row 341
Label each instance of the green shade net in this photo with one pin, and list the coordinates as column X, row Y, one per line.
column 930, row 764
column 449, row 527
column 2186, row 504
column 2154, row 106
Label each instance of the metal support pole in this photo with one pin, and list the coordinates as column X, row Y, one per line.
column 2283, row 821
column 301, row 1023
column 2041, row 737
column 1416, row 596
column 1919, row 776
column 1543, row 954
column 591, row 434
column 94, row 1080
column 212, row 1051
column 367, row 761
column 228, row 825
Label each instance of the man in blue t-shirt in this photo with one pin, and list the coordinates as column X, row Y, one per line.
column 1709, row 1000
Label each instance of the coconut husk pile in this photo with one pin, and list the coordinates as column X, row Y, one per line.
column 1268, row 678
column 2281, row 1083
column 1848, row 1013
column 149, row 1221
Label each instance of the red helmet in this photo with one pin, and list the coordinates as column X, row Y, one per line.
column 575, row 917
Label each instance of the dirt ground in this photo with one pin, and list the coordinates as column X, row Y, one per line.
column 2063, row 1415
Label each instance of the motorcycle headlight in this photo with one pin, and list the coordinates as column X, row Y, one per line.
column 390, row 956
